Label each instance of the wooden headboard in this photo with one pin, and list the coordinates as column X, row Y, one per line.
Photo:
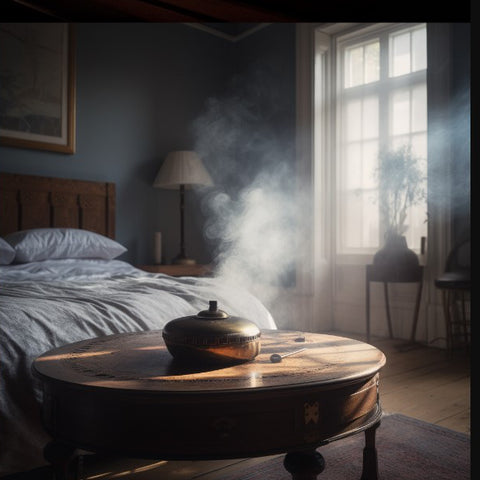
column 28, row 201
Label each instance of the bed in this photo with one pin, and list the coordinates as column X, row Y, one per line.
column 61, row 281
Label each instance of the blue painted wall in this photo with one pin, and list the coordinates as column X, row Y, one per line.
column 140, row 88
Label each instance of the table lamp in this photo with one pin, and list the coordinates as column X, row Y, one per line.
column 182, row 170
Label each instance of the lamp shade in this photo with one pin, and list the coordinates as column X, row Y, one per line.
column 182, row 167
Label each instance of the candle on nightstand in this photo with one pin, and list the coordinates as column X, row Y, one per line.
column 157, row 248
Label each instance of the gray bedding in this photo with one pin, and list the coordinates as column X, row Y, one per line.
column 52, row 303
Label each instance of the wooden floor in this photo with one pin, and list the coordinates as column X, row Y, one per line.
column 426, row 383
column 421, row 382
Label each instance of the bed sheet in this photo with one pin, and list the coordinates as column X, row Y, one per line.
column 47, row 304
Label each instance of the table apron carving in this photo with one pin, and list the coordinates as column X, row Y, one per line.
column 221, row 426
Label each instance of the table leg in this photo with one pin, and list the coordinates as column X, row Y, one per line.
column 387, row 307
column 417, row 309
column 448, row 322
column 305, row 465
column 370, row 460
column 60, row 456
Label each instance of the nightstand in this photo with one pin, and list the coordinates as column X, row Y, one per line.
column 179, row 270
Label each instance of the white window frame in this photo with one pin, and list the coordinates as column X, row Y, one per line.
column 439, row 148
column 381, row 89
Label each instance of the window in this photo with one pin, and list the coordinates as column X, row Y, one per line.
column 380, row 102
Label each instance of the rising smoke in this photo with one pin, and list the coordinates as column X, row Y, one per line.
column 253, row 210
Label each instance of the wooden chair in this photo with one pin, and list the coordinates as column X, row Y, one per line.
column 455, row 286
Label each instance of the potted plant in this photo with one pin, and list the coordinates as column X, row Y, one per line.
column 401, row 185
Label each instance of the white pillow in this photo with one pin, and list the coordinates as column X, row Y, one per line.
column 7, row 253
column 50, row 243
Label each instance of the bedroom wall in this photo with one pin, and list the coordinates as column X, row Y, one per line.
column 139, row 86
column 142, row 90
column 246, row 136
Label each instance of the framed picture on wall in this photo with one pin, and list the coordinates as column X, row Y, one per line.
column 37, row 86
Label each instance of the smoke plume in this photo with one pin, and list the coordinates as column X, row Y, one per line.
column 252, row 212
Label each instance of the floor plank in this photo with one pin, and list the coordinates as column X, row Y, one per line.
column 426, row 383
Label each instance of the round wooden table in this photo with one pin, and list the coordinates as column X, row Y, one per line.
column 125, row 394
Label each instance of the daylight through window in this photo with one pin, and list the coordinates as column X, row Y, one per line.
column 381, row 103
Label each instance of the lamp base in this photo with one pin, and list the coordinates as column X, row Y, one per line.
column 180, row 260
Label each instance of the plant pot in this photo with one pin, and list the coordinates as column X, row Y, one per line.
column 396, row 254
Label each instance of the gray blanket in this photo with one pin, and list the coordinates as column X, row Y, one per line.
column 36, row 316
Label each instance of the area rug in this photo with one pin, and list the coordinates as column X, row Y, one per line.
column 408, row 449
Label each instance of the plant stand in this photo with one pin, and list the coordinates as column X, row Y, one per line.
column 386, row 274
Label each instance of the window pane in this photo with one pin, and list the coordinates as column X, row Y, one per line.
column 370, row 162
column 353, row 114
column 372, row 62
column 359, row 226
column 401, row 54
column 353, row 67
column 362, row 64
column 400, row 112
column 353, row 167
column 370, row 117
column 360, row 221
column 419, row 49
column 419, row 108
column 361, row 118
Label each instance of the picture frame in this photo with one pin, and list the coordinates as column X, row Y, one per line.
column 37, row 86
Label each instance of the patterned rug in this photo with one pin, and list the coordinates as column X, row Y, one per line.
column 408, row 449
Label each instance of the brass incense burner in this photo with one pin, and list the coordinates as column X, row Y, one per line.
column 212, row 336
